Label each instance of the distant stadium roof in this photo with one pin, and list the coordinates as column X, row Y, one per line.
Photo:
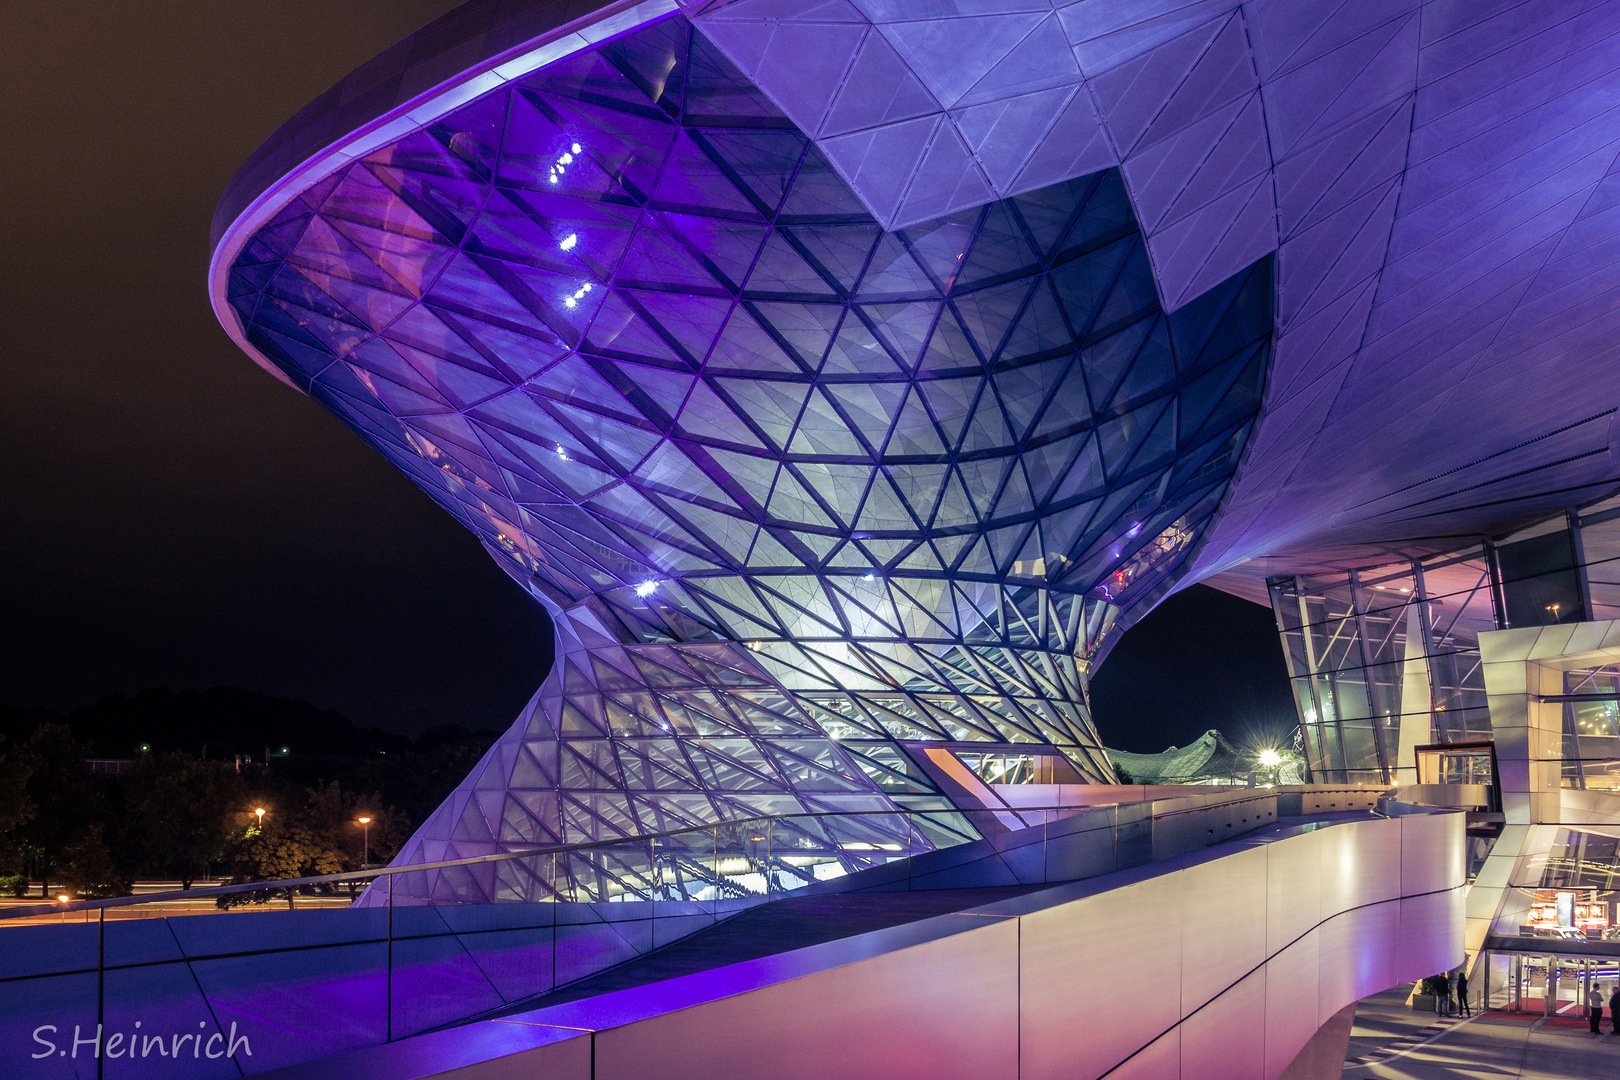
column 1207, row 757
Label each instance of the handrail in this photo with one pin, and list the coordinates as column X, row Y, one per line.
column 209, row 891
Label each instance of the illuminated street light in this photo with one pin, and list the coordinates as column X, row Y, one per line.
column 1270, row 758
column 365, row 852
column 64, row 897
column 260, row 812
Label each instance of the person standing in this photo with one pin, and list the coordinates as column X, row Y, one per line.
column 1594, row 1008
column 1443, row 997
column 1614, row 1010
column 1463, row 1008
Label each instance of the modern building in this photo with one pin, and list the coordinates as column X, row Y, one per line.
column 844, row 377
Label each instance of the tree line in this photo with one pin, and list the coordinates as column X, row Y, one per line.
column 182, row 778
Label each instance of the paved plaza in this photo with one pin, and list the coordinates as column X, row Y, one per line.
column 1492, row 1045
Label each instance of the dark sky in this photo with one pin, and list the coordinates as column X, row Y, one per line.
column 172, row 516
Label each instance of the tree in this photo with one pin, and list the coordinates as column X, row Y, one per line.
column 15, row 806
column 64, row 797
column 180, row 813
column 90, row 872
column 274, row 851
column 320, row 835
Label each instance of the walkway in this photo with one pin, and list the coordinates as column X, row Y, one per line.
column 1497, row 1045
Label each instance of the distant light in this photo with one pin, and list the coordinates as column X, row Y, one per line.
column 568, row 301
column 1406, row 590
column 646, row 588
column 64, row 898
column 869, row 576
column 1135, row 530
column 552, row 178
column 146, row 747
column 1270, row 758
column 364, row 820
column 575, row 148
column 569, row 241
column 561, row 452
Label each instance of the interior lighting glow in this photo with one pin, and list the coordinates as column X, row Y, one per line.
column 561, row 165
column 571, row 301
column 646, row 588
column 569, row 241
column 869, row 576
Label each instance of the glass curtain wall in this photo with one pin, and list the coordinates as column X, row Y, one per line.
column 1385, row 659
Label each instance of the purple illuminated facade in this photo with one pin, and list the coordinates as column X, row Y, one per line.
column 841, row 376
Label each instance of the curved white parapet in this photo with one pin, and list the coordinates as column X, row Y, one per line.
column 1220, row 964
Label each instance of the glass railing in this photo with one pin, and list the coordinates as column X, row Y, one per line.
column 424, row 947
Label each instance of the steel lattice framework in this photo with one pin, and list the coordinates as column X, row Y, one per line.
column 798, row 491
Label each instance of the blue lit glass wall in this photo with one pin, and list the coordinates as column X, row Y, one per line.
column 798, row 491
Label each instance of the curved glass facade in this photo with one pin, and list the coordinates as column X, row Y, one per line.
column 797, row 491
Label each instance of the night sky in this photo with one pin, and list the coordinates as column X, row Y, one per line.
column 175, row 517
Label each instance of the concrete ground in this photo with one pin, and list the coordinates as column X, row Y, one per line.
column 1497, row 1046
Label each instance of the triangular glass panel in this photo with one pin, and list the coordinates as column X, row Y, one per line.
column 822, row 432
column 949, row 351
column 955, row 510
column 1106, row 360
column 747, row 348
column 807, row 328
column 904, row 328
column 883, row 510
column 989, row 313
column 792, row 502
column 726, row 248
column 691, row 322
column 914, row 433
column 706, row 416
column 951, row 402
column 941, row 245
column 840, row 486
column 771, row 405
column 692, row 183
column 856, row 352
column 999, row 250
column 1025, row 389
column 762, row 162
column 988, row 428
column 895, row 273
column 1049, row 212
column 783, row 273
column 1085, row 476
column 870, row 406
column 838, row 251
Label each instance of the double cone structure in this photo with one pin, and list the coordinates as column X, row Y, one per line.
column 800, row 493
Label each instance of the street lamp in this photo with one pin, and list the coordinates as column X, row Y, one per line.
column 365, row 856
column 1270, row 758
column 260, row 812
